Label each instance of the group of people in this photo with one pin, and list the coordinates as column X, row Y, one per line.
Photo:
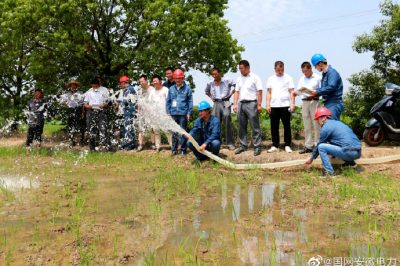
column 96, row 107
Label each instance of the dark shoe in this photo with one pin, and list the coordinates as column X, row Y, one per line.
column 257, row 151
column 327, row 174
column 305, row 150
column 174, row 153
column 231, row 147
column 349, row 164
column 183, row 153
column 240, row 150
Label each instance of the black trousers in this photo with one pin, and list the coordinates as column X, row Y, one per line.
column 75, row 124
column 34, row 133
column 96, row 127
column 280, row 114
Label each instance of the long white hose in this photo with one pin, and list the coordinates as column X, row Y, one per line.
column 275, row 165
column 154, row 118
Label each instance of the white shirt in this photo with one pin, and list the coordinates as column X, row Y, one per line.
column 145, row 93
column 95, row 97
column 248, row 87
column 312, row 83
column 159, row 96
column 280, row 90
column 103, row 90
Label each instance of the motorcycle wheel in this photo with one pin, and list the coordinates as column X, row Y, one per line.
column 369, row 134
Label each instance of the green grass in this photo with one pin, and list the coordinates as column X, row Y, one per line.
column 129, row 191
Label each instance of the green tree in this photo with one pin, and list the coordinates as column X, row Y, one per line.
column 83, row 38
column 367, row 86
column 17, row 35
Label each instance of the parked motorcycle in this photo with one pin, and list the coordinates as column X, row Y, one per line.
column 385, row 124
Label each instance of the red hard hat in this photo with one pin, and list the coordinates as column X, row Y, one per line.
column 178, row 73
column 322, row 111
column 123, row 79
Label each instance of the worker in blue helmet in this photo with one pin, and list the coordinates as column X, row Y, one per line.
column 206, row 131
column 331, row 88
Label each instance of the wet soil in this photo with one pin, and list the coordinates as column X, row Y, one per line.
column 145, row 208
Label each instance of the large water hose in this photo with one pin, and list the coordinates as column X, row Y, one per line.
column 290, row 163
column 152, row 116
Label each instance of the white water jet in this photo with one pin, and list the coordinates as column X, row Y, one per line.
column 14, row 183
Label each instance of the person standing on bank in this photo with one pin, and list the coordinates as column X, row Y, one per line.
column 128, row 103
column 158, row 97
column 95, row 102
column 35, row 118
column 311, row 82
column 143, row 92
column 179, row 106
column 247, row 103
column 280, row 105
column 169, row 74
column 331, row 88
column 220, row 91
column 73, row 101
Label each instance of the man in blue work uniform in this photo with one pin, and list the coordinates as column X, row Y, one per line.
column 127, row 101
column 337, row 140
column 206, row 131
column 179, row 106
column 331, row 88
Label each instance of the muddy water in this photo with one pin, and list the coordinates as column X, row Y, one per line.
column 110, row 212
column 249, row 225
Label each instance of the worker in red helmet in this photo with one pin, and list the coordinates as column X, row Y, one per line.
column 336, row 140
column 127, row 102
column 179, row 106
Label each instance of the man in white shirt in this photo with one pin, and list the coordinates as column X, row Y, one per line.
column 247, row 103
column 220, row 91
column 143, row 92
column 280, row 105
column 309, row 81
column 95, row 102
column 158, row 97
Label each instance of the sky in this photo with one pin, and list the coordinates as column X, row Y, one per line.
column 292, row 31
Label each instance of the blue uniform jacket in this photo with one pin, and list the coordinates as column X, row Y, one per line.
column 339, row 134
column 331, row 88
column 207, row 132
column 128, row 105
column 179, row 101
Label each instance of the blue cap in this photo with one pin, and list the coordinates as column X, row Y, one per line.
column 316, row 58
column 203, row 105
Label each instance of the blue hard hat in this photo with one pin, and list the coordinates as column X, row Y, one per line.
column 316, row 58
column 203, row 105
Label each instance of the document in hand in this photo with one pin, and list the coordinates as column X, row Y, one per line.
column 304, row 91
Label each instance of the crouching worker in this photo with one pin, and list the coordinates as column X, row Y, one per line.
column 206, row 131
column 336, row 140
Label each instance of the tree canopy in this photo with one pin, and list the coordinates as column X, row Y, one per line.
column 367, row 86
column 46, row 42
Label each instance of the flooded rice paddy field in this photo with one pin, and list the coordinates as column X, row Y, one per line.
column 61, row 207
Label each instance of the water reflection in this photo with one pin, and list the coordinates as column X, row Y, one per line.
column 196, row 216
column 250, row 198
column 224, row 198
column 267, row 192
column 236, row 203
